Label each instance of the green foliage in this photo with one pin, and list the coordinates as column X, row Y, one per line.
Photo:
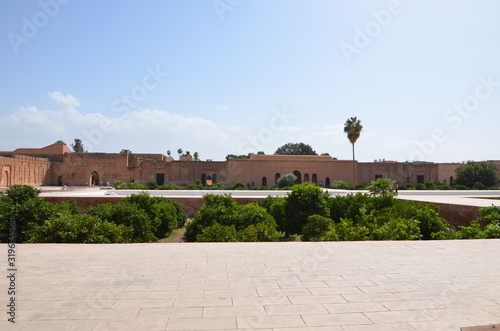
column 295, row 149
column 316, row 228
column 170, row 187
column 346, row 230
column 382, row 187
column 217, row 186
column 362, row 186
column 406, row 186
column 259, row 232
column 341, row 185
column 397, row 229
column 164, row 214
column 119, row 185
column 80, row 229
column 471, row 172
column 128, row 214
column 489, row 215
column 196, row 186
column 238, row 186
column 218, row 233
column 222, row 210
column 21, row 193
column 420, row 186
column 304, row 200
column 22, row 206
column 460, row 187
column 275, row 206
column 286, row 180
column 151, row 185
column 478, row 186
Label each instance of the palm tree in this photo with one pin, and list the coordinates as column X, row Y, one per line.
column 180, row 152
column 169, row 153
column 353, row 129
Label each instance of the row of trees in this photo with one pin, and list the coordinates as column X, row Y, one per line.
column 306, row 211
column 315, row 216
column 137, row 218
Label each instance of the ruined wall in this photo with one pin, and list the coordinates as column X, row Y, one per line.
column 401, row 172
column 25, row 170
column 262, row 172
column 77, row 168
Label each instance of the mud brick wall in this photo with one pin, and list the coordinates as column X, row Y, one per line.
column 25, row 170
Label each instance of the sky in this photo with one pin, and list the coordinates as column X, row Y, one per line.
column 222, row 77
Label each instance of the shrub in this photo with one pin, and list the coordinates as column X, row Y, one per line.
column 217, row 186
column 170, row 187
column 216, row 208
column 287, row 180
column 362, row 186
column 316, row 228
column 165, row 215
column 397, row 229
column 304, row 200
column 249, row 214
column 80, row 229
column 459, row 187
column 151, row 185
column 196, row 186
column 238, row 186
column 420, row 186
column 345, row 230
column 339, row 184
column 128, row 214
column 407, row 186
column 22, row 205
column 259, row 232
column 478, row 186
column 218, row 233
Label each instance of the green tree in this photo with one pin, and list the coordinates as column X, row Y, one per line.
column 304, row 200
column 80, row 229
column 353, row 129
column 316, row 228
column 196, row 156
column 125, row 151
column 179, row 151
column 295, row 149
column 287, row 180
column 471, row 172
column 78, row 146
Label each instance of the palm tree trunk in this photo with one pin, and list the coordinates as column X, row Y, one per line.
column 354, row 181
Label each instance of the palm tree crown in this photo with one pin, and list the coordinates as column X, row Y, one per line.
column 353, row 129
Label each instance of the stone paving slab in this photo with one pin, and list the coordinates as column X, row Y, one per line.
column 335, row 286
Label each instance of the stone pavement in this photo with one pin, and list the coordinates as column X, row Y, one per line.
column 334, row 286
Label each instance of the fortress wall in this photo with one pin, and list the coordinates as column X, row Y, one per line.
column 78, row 167
column 25, row 170
column 401, row 172
column 253, row 171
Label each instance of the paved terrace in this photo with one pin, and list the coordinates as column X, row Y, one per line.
column 334, row 286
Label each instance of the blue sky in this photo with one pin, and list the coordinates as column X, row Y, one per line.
column 222, row 77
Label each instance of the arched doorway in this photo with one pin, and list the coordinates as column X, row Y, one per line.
column 5, row 179
column 315, row 179
column 264, row 181
column 306, row 178
column 327, row 181
column 299, row 177
column 94, row 178
column 276, row 177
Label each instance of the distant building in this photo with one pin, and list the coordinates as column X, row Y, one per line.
column 57, row 165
